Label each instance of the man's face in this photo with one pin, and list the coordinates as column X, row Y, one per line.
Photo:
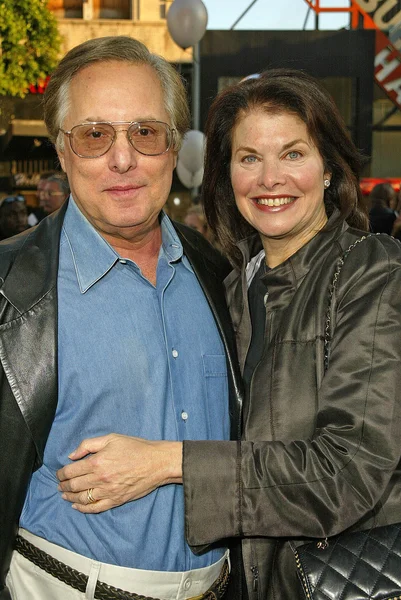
column 53, row 197
column 13, row 218
column 122, row 192
column 40, row 191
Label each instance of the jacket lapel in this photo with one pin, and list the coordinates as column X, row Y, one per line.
column 28, row 323
column 211, row 276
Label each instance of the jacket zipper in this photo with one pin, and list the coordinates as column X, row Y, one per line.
column 255, row 573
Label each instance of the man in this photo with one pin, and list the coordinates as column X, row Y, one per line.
column 382, row 216
column 13, row 216
column 55, row 191
column 37, row 213
column 41, row 185
column 114, row 331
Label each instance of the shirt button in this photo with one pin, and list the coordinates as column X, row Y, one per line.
column 123, row 262
column 175, row 353
column 187, row 584
column 184, row 415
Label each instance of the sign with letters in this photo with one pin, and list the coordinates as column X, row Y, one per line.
column 385, row 13
column 386, row 19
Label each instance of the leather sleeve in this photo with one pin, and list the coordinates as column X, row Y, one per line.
column 319, row 486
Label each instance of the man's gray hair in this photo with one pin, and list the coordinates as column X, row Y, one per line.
column 106, row 49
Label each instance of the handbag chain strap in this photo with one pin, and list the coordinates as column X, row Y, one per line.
column 332, row 288
column 322, row 544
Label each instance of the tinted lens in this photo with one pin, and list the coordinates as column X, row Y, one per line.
column 92, row 140
column 150, row 137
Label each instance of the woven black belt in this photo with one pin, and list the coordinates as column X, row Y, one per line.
column 103, row 591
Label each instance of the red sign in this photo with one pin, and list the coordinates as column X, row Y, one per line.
column 388, row 67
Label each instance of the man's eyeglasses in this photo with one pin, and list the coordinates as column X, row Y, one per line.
column 93, row 139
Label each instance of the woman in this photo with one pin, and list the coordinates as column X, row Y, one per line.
column 320, row 447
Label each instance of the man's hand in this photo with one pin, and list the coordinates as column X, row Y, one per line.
column 118, row 469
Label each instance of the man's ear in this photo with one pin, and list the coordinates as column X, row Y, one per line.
column 61, row 158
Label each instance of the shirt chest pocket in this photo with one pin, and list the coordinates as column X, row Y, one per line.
column 216, row 394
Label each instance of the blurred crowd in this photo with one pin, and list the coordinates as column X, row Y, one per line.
column 17, row 216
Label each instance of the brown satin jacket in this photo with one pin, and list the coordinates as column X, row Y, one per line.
column 28, row 355
column 320, row 449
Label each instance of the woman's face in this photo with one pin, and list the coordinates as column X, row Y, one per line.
column 277, row 175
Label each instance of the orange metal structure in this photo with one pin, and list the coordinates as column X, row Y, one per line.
column 355, row 10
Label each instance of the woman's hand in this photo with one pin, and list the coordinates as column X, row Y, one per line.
column 117, row 469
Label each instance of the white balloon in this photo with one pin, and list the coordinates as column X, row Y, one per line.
column 193, row 150
column 190, row 180
column 187, row 21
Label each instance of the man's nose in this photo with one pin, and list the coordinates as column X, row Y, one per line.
column 122, row 155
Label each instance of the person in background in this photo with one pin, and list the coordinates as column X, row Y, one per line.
column 382, row 215
column 195, row 218
column 13, row 216
column 41, row 185
column 114, row 329
column 55, row 191
column 36, row 213
column 396, row 232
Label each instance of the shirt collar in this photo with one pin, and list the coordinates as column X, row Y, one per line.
column 93, row 256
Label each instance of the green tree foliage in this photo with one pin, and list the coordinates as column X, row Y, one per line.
column 29, row 45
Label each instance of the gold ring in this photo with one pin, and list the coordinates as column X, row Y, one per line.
column 89, row 494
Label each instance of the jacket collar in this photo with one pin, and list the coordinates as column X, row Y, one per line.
column 282, row 281
column 37, row 253
column 28, row 324
column 298, row 264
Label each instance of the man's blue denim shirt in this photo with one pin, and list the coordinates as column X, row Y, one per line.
column 137, row 360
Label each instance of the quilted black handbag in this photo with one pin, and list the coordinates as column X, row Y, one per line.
column 358, row 565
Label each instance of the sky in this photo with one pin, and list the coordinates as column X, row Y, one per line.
column 272, row 14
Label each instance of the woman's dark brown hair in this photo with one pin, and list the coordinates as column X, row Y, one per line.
column 275, row 91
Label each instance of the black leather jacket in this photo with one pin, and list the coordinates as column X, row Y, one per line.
column 28, row 355
column 320, row 450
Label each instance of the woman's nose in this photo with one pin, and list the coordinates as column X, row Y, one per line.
column 271, row 174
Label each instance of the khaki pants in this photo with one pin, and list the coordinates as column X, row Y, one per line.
column 26, row 581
